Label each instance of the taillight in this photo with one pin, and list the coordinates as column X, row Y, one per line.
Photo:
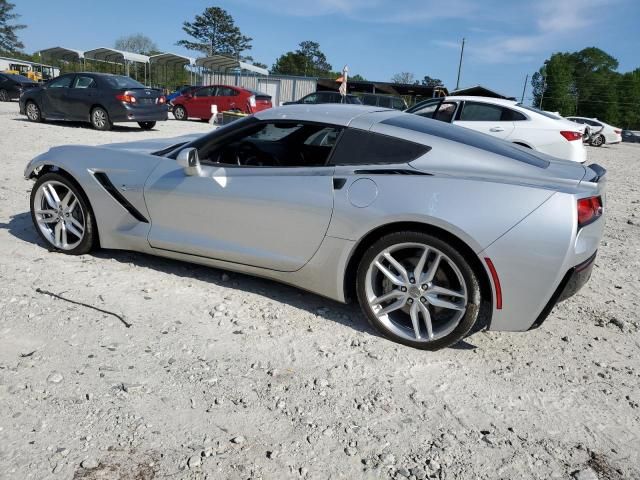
column 571, row 136
column 252, row 101
column 126, row 98
column 589, row 210
column 618, row 132
column 161, row 100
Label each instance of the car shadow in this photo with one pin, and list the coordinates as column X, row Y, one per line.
column 87, row 125
column 21, row 227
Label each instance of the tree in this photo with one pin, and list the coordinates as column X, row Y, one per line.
column 137, row 43
column 427, row 81
column 307, row 60
column 215, row 33
column 403, row 77
column 8, row 39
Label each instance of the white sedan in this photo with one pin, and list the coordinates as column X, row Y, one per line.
column 608, row 133
column 511, row 121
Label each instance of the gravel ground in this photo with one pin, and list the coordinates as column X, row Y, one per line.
column 224, row 376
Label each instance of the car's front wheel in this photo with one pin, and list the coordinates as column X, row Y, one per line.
column 598, row 141
column 62, row 215
column 179, row 112
column 4, row 95
column 100, row 119
column 147, row 125
column 33, row 112
column 418, row 290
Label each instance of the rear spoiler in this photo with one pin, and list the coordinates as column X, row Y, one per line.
column 598, row 173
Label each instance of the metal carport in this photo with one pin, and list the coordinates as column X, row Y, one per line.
column 111, row 55
column 165, row 61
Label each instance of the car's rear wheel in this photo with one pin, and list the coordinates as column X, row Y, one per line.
column 147, row 125
column 4, row 95
column 100, row 119
column 598, row 141
column 418, row 290
column 62, row 215
column 179, row 112
column 33, row 112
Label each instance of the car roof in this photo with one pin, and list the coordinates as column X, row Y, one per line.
column 334, row 113
column 498, row 101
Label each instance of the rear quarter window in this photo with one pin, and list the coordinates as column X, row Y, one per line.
column 360, row 147
column 465, row 136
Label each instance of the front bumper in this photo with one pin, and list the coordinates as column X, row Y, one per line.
column 571, row 283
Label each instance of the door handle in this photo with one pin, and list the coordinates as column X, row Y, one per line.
column 496, row 129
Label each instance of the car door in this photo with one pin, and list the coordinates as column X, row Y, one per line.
column 228, row 98
column 199, row 104
column 81, row 97
column 54, row 97
column 486, row 118
column 271, row 213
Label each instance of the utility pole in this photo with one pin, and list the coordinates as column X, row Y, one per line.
column 460, row 65
column 524, row 89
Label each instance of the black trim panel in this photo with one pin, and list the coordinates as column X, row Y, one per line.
column 103, row 180
column 391, row 171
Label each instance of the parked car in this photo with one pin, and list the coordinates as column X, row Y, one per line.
column 197, row 103
column 511, row 121
column 12, row 86
column 608, row 133
column 316, row 98
column 99, row 98
column 434, row 228
column 629, row 136
column 385, row 101
column 183, row 90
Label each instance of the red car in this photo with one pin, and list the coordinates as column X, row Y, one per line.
column 197, row 103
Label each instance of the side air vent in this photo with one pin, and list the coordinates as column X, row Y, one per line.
column 103, row 179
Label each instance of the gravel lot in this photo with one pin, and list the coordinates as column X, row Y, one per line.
column 224, row 376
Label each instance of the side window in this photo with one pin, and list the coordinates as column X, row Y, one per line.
column 369, row 100
column 83, row 82
column 205, row 92
column 428, row 109
column 275, row 144
column 62, row 82
column 310, row 98
column 480, row 112
column 384, row 102
column 360, row 147
column 226, row 92
column 509, row 115
column 446, row 112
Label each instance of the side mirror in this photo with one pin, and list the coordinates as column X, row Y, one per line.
column 188, row 159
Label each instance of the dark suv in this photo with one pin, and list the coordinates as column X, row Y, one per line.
column 385, row 101
column 325, row 97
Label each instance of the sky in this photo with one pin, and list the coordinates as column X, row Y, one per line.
column 505, row 40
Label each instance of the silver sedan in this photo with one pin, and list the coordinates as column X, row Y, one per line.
column 436, row 230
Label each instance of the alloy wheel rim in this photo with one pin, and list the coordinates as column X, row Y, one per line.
column 3, row 95
column 416, row 291
column 99, row 118
column 59, row 215
column 32, row 111
column 179, row 113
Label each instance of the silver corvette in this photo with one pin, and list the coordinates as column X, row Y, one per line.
column 436, row 230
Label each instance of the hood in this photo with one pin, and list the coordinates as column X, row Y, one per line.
column 152, row 145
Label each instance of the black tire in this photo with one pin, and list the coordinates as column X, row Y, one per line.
column 33, row 112
column 100, row 119
column 4, row 95
column 90, row 238
column 470, row 316
column 147, row 125
column 598, row 141
column 180, row 113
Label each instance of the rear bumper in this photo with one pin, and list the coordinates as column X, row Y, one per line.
column 126, row 113
column 571, row 283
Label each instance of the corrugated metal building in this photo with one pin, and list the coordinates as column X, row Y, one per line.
column 282, row 88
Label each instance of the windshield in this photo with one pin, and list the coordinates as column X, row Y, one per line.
column 541, row 112
column 120, row 81
column 18, row 78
